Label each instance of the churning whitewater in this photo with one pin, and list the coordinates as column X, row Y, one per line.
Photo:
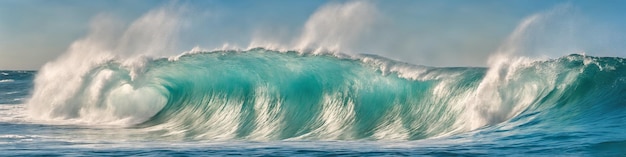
column 262, row 94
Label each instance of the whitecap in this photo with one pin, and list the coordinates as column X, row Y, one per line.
column 6, row 80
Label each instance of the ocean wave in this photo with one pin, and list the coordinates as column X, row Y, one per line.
column 261, row 94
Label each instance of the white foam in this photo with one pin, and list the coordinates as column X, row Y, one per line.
column 336, row 119
column 268, row 116
column 12, row 113
column 7, row 80
column 392, row 129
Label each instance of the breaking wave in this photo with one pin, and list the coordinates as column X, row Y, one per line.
column 261, row 94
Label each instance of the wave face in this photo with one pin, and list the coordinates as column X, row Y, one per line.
column 266, row 95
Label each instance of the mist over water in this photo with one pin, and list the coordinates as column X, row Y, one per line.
column 149, row 36
column 124, row 85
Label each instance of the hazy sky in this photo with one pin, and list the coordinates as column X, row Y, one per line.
column 425, row 32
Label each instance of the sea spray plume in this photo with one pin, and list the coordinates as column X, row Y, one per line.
column 541, row 35
column 59, row 81
column 489, row 105
column 334, row 27
column 75, row 86
column 154, row 34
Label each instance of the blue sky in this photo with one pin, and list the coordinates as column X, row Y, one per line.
column 425, row 32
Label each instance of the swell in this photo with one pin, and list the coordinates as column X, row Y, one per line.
column 14, row 86
column 266, row 95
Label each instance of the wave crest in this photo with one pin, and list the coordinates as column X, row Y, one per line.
column 261, row 94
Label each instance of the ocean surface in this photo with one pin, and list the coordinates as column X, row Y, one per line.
column 264, row 102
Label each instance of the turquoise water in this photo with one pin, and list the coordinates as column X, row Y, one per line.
column 263, row 102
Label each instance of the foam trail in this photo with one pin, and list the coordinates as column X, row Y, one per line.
column 6, row 80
